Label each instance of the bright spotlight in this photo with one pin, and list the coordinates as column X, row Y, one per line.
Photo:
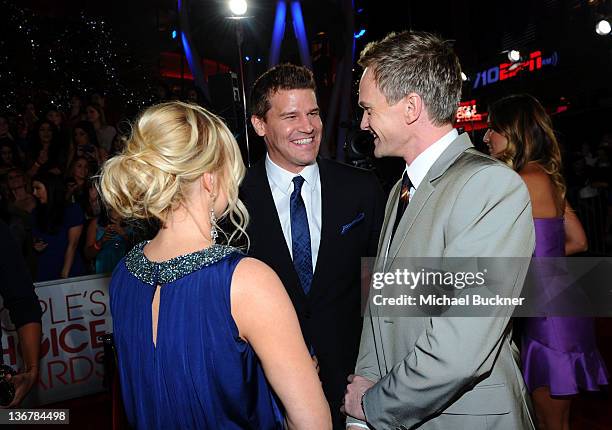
column 514, row 56
column 464, row 77
column 603, row 27
column 238, row 7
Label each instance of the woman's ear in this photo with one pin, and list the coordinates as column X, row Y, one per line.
column 208, row 182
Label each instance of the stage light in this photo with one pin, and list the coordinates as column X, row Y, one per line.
column 360, row 33
column 603, row 27
column 238, row 7
column 259, row 59
column 464, row 77
column 174, row 34
column 514, row 56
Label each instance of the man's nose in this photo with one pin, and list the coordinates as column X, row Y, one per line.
column 364, row 122
column 306, row 124
column 485, row 139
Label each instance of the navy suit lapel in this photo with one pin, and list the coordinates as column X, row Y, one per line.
column 331, row 220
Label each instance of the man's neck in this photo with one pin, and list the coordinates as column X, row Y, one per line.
column 423, row 139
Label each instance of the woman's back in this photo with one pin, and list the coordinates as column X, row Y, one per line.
column 545, row 199
column 198, row 373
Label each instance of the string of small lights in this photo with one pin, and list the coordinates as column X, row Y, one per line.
column 49, row 60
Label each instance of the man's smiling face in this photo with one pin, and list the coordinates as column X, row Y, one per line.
column 291, row 128
column 384, row 121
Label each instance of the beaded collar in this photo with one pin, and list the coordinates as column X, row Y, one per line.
column 153, row 273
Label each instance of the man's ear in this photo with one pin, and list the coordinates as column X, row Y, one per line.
column 259, row 124
column 413, row 107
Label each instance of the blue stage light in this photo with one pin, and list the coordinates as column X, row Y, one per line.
column 360, row 33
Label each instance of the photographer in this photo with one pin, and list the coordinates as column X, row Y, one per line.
column 17, row 291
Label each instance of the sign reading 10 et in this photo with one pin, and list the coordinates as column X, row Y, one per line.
column 505, row 71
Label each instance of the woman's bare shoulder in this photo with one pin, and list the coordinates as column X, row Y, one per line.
column 254, row 275
column 534, row 174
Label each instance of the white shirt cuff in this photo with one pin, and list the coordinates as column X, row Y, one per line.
column 363, row 426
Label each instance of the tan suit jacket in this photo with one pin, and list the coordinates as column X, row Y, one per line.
column 451, row 373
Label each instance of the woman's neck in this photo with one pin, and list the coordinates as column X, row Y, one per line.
column 184, row 232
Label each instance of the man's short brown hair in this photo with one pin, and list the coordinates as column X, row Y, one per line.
column 281, row 77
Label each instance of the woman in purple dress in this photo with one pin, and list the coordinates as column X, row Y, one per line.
column 559, row 355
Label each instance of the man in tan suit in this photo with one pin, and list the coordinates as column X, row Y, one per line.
column 437, row 372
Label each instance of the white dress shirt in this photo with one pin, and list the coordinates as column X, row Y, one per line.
column 281, row 185
column 421, row 165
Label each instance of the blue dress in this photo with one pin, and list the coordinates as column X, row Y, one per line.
column 51, row 260
column 199, row 374
column 111, row 252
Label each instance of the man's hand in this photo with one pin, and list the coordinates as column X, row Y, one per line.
column 23, row 384
column 357, row 387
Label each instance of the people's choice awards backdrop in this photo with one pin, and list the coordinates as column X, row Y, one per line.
column 75, row 312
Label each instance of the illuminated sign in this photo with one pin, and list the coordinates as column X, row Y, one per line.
column 468, row 112
column 510, row 70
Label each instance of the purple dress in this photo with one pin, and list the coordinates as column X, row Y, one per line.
column 559, row 353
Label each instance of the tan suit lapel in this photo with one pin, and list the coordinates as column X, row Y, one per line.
column 390, row 215
column 416, row 204
column 421, row 196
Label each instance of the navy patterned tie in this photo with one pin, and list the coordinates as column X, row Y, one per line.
column 300, row 236
column 404, row 197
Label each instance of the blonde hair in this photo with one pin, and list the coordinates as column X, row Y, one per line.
column 170, row 147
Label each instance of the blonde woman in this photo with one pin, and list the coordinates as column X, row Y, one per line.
column 559, row 355
column 204, row 334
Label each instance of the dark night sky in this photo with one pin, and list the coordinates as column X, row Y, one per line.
column 481, row 30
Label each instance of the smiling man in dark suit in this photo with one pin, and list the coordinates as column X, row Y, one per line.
column 311, row 221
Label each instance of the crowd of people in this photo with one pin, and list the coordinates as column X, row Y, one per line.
column 47, row 193
column 270, row 335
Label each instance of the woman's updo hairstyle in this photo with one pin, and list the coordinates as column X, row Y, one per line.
column 170, row 147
